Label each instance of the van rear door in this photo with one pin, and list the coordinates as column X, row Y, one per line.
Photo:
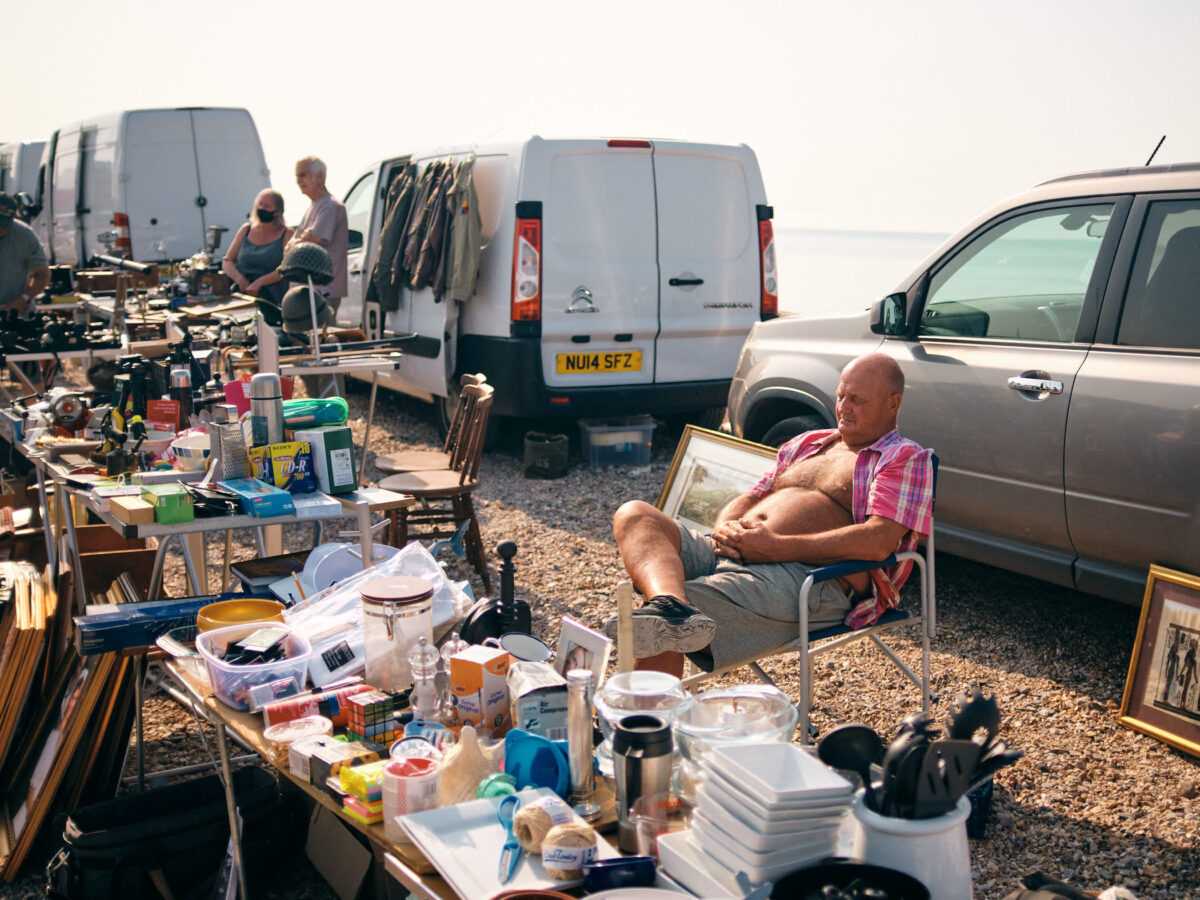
column 186, row 169
column 599, row 260
column 708, row 255
column 232, row 170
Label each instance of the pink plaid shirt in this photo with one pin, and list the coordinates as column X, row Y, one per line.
column 893, row 478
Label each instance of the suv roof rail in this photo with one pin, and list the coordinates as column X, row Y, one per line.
column 1131, row 170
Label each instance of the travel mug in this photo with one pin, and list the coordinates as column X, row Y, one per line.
column 642, row 758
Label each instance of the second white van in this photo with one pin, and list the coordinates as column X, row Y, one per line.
column 616, row 276
column 19, row 167
column 158, row 178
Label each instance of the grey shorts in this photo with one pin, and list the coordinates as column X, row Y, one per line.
column 740, row 597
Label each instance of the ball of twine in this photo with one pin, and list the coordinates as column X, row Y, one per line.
column 532, row 823
column 566, row 848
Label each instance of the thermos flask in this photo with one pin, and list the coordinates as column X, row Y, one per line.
column 266, row 409
column 642, row 757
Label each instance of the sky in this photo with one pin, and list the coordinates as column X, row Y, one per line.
column 882, row 116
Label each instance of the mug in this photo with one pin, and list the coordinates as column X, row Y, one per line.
column 522, row 647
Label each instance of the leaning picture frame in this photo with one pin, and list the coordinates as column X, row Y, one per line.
column 1162, row 689
column 579, row 647
column 710, row 469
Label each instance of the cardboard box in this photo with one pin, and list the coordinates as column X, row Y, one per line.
column 258, row 498
column 538, row 695
column 336, row 853
column 333, row 457
column 288, row 466
column 172, row 504
column 132, row 510
column 478, row 682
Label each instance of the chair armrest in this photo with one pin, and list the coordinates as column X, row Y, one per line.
column 850, row 567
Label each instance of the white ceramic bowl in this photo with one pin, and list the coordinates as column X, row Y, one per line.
column 192, row 451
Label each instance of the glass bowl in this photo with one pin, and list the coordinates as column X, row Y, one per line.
column 627, row 693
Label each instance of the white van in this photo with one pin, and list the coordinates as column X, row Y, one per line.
column 652, row 261
column 19, row 167
column 159, row 178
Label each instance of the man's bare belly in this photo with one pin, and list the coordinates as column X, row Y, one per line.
column 801, row 510
column 798, row 510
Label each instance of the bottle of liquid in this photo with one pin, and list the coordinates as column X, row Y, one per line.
column 266, row 409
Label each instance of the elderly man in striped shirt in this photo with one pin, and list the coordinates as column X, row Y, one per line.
column 859, row 491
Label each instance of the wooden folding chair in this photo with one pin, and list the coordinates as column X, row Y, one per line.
column 444, row 495
column 426, row 460
column 823, row 640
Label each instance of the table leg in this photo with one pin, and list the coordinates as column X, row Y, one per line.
column 156, row 572
column 231, row 808
column 47, row 525
column 68, row 515
column 137, row 700
column 366, row 540
column 193, row 546
column 362, row 466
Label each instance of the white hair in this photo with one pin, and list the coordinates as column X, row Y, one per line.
column 315, row 164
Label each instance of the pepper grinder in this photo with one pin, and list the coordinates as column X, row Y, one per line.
column 579, row 744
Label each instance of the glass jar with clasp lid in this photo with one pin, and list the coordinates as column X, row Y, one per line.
column 397, row 613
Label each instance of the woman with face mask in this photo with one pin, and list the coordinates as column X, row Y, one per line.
column 257, row 249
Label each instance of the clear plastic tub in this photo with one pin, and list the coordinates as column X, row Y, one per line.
column 231, row 684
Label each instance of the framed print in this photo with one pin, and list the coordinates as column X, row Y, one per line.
column 579, row 647
column 1162, row 690
column 709, row 470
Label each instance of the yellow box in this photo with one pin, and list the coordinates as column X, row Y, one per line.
column 132, row 510
column 364, row 782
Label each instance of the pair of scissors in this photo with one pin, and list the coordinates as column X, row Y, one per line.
column 510, row 855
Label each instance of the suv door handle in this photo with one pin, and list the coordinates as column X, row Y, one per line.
column 684, row 282
column 1035, row 385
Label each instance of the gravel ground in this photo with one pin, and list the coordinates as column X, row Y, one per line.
column 1091, row 803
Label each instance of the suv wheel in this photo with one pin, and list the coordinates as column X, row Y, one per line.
column 784, row 431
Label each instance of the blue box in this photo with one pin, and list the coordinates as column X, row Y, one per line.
column 259, row 498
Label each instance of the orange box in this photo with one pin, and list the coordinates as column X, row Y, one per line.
column 478, row 681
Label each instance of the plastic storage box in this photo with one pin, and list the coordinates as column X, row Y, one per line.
column 624, row 440
column 232, row 684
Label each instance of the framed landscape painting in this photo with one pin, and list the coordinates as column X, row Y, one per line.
column 1162, row 690
column 709, row 470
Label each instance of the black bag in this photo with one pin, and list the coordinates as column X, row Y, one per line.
column 166, row 842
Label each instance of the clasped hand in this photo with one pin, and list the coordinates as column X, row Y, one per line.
column 745, row 540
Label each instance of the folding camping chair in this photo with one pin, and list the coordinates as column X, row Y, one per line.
column 826, row 639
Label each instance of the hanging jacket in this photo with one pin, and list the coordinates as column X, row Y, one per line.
column 383, row 286
column 466, row 237
column 434, row 230
column 418, row 222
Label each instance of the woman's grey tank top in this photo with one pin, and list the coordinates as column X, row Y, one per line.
column 256, row 260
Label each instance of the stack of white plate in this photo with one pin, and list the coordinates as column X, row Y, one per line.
column 768, row 809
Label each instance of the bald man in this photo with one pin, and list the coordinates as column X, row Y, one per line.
column 859, row 491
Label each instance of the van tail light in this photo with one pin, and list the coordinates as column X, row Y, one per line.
column 768, row 273
column 124, row 245
column 527, row 263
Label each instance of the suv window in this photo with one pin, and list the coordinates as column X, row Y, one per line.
column 1023, row 278
column 1162, row 302
column 358, row 209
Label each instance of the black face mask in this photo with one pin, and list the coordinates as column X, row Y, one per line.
column 265, row 215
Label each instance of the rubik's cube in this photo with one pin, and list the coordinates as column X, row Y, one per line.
column 369, row 716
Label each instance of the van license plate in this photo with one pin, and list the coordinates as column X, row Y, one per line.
column 598, row 363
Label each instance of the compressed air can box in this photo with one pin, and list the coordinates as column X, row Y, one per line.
column 333, row 457
column 539, row 699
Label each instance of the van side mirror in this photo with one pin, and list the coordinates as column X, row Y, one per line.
column 355, row 239
column 887, row 315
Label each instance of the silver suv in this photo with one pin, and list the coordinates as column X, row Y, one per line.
column 1052, row 354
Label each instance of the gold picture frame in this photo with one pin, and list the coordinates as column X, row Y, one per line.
column 1162, row 689
column 708, row 470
